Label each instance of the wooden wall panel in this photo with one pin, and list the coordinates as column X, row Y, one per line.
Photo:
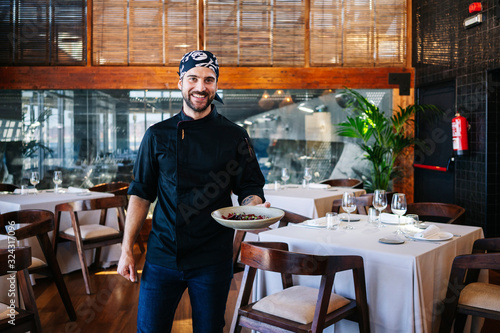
column 405, row 184
column 158, row 77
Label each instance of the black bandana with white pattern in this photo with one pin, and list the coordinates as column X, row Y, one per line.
column 199, row 58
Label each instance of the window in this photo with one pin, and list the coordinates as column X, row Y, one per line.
column 42, row 32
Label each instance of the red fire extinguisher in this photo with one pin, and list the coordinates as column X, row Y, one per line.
column 459, row 127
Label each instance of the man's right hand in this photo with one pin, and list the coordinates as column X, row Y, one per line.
column 126, row 266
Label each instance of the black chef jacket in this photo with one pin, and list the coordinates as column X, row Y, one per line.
column 191, row 167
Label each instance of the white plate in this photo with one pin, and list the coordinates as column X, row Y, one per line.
column 403, row 222
column 312, row 224
column 441, row 236
column 273, row 215
column 83, row 193
column 388, row 240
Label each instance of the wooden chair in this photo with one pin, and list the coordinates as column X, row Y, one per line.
column 118, row 188
column 465, row 295
column 26, row 319
column 39, row 223
column 90, row 236
column 7, row 187
column 362, row 205
column 347, row 182
column 363, row 202
column 318, row 308
column 239, row 236
column 437, row 212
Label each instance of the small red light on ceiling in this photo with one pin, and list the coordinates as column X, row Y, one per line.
column 475, row 7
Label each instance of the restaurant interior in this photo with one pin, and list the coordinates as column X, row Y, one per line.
column 82, row 81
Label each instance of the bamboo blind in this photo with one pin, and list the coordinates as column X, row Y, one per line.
column 358, row 32
column 139, row 32
column 255, row 32
column 37, row 32
column 348, row 33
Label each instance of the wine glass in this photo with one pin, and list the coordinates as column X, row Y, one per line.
column 398, row 207
column 57, row 180
column 349, row 205
column 35, row 179
column 307, row 176
column 284, row 176
column 380, row 203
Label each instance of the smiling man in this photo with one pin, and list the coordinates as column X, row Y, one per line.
column 190, row 164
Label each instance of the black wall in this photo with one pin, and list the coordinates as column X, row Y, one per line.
column 443, row 50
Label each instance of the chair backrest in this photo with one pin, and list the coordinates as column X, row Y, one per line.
column 437, row 212
column 21, row 256
column 239, row 236
column 39, row 221
column 344, row 182
column 117, row 188
column 466, row 297
column 25, row 320
column 103, row 204
column 275, row 257
column 7, row 187
column 362, row 204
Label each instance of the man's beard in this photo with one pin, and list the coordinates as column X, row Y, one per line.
column 186, row 96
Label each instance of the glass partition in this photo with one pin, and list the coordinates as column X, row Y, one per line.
column 93, row 135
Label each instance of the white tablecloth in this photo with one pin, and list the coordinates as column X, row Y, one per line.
column 405, row 283
column 311, row 202
column 67, row 254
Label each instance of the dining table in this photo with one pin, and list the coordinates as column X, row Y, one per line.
column 312, row 202
column 406, row 280
column 67, row 255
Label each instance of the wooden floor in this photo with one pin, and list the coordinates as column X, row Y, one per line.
column 113, row 306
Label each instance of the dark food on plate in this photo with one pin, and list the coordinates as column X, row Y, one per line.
column 243, row 216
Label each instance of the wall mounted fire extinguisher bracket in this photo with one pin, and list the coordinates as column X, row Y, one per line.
column 459, row 128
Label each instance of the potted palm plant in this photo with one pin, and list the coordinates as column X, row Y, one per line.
column 383, row 138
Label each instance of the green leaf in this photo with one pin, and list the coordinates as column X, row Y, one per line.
column 383, row 138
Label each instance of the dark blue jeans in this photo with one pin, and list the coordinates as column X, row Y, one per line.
column 162, row 289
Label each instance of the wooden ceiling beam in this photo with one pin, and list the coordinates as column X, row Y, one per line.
column 158, row 78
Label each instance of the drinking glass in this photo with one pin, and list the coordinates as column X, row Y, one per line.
column 332, row 220
column 35, row 179
column 284, row 176
column 307, row 176
column 380, row 203
column 349, row 205
column 398, row 207
column 57, row 180
column 413, row 218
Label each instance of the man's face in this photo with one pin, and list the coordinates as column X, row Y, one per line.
column 198, row 87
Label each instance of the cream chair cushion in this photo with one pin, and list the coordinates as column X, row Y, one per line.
column 297, row 303
column 92, row 230
column 35, row 262
column 481, row 295
column 5, row 311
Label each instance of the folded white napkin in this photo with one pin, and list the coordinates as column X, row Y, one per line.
column 428, row 232
column 270, row 187
column 393, row 218
column 316, row 185
column 316, row 222
column 72, row 189
column 26, row 190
